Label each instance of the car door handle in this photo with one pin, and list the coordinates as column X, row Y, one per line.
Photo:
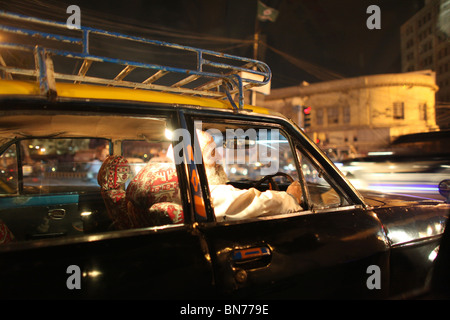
column 253, row 257
column 56, row 214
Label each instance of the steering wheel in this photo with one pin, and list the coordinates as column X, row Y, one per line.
column 272, row 184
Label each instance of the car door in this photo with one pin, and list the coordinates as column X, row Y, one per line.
column 162, row 262
column 312, row 255
column 159, row 263
column 25, row 197
column 332, row 248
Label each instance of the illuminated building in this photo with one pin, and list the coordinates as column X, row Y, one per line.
column 362, row 113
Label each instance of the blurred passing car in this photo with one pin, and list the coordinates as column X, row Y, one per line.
column 414, row 164
column 105, row 190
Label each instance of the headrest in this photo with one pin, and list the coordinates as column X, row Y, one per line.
column 156, row 182
column 114, row 172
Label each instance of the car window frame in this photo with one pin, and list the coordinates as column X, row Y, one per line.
column 77, row 106
column 326, row 176
column 312, row 151
column 172, row 113
column 288, row 129
column 18, row 161
column 20, row 158
column 244, row 122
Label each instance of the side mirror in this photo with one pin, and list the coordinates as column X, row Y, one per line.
column 444, row 189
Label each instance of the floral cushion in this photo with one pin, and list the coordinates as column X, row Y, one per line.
column 114, row 172
column 158, row 214
column 155, row 183
column 112, row 176
column 173, row 210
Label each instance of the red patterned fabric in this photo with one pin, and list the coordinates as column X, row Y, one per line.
column 114, row 172
column 154, row 184
column 112, row 176
column 6, row 235
column 173, row 210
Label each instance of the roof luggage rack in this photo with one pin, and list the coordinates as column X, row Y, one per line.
column 208, row 74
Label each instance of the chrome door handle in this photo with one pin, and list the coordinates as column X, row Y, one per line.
column 56, row 214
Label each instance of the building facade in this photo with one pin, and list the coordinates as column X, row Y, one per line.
column 361, row 114
column 425, row 44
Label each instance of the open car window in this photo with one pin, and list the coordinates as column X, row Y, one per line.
column 249, row 153
column 61, row 165
column 252, row 170
column 87, row 174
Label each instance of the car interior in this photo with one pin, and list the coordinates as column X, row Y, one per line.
column 72, row 174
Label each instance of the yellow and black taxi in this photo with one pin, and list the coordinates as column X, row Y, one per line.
column 160, row 183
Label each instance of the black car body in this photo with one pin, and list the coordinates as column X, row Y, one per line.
column 62, row 221
column 324, row 252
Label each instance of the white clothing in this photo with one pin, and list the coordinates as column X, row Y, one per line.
column 231, row 203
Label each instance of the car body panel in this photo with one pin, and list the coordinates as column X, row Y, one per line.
column 322, row 255
column 164, row 263
column 414, row 227
column 408, row 218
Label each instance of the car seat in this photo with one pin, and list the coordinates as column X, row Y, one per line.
column 112, row 176
column 153, row 196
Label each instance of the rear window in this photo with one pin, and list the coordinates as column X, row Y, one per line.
column 62, row 165
column 70, row 175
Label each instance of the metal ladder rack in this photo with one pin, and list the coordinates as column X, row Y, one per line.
column 228, row 75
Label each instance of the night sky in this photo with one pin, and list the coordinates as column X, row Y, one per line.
column 311, row 40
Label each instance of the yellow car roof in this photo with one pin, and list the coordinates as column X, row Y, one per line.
column 87, row 91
